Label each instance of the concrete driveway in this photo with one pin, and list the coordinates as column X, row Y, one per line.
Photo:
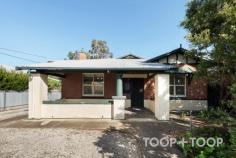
column 20, row 137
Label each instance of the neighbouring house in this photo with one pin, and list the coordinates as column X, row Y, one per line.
column 7, row 67
column 103, row 88
column 10, row 68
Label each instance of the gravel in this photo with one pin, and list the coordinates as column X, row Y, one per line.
column 62, row 142
column 21, row 137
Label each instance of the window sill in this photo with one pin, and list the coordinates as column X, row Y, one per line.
column 92, row 96
column 177, row 97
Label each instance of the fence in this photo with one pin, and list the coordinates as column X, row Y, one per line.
column 13, row 98
column 54, row 95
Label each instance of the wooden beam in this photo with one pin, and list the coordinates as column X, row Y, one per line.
column 53, row 74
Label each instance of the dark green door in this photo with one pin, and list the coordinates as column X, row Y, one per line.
column 137, row 92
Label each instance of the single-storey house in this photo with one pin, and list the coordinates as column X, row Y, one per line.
column 103, row 88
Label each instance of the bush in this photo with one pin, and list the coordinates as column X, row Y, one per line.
column 13, row 80
column 54, row 84
column 217, row 116
column 221, row 125
column 225, row 150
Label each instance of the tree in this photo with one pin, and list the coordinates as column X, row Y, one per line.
column 54, row 84
column 12, row 80
column 99, row 50
column 212, row 32
column 72, row 55
column 18, row 81
column 75, row 55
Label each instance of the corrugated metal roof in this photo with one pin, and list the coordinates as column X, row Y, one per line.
column 98, row 64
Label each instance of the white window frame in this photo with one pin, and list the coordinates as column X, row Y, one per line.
column 174, row 85
column 92, row 85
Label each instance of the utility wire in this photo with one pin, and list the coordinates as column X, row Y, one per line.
column 17, row 51
column 19, row 57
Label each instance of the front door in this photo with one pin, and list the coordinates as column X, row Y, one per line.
column 137, row 92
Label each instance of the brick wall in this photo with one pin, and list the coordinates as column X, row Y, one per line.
column 197, row 89
column 110, row 85
column 72, row 86
column 149, row 88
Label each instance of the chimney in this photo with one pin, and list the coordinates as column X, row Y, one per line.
column 82, row 56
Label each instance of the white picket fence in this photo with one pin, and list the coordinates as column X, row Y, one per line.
column 13, row 98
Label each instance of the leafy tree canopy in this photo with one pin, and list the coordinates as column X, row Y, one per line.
column 13, row 80
column 17, row 81
column 74, row 55
column 99, row 50
column 212, row 32
column 54, row 84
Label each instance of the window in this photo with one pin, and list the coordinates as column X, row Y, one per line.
column 177, row 85
column 93, row 84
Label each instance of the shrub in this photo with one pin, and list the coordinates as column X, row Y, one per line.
column 54, row 84
column 225, row 150
column 221, row 125
column 13, row 80
column 217, row 116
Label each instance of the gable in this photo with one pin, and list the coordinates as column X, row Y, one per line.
column 177, row 56
column 130, row 56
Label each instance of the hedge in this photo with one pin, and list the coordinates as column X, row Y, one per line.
column 11, row 80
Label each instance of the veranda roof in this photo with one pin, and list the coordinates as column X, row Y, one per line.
column 99, row 64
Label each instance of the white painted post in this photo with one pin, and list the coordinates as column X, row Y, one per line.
column 162, row 99
column 118, row 107
column 38, row 92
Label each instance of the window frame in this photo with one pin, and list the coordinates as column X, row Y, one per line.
column 175, row 85
column 92, row 85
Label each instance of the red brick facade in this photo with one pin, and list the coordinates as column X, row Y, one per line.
column 149, row 88
column 72, row 86
column 197, row 90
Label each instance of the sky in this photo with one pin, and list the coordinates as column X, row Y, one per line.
column 52, row 28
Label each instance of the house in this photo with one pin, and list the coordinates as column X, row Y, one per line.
column 103, row 88
column 10, row 68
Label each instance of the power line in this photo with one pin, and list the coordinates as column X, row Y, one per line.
column 19, row 57
column 17, row 51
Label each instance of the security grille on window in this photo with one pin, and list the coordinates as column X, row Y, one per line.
column 93, row 84
column 177, row 85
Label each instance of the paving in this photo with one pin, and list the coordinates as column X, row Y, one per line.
column 21, row 137
column 12, row 112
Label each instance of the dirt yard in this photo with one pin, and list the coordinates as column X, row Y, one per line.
column 20, row 137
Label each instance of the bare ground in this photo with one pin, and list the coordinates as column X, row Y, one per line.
column 20, row 137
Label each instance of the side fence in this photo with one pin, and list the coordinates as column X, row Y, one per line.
column 13, row 98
